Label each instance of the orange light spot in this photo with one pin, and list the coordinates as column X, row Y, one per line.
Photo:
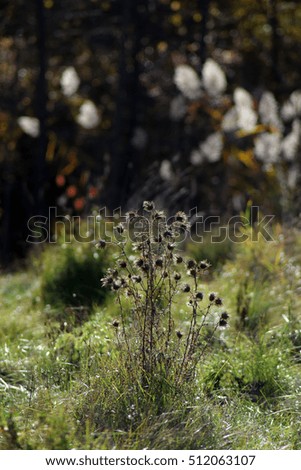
column 71, row 191
column 60, row 180
column 93, row 191
column 79, row 203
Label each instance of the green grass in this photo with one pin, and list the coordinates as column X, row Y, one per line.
column 63, row 383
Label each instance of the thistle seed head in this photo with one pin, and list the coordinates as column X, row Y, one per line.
column 199, row 295
column 122, row 264
column 224, row 315
column 148, row 206
column 191, row 264
column 101, row 244
column 204, row 265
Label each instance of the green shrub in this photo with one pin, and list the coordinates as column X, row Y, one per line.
column 253, row 370
column 70, row 281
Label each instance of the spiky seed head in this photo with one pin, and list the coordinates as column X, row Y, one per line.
column 191, row 264
column 181, row 217
column 159, row 215
column 224, row 315
column 192, row 272
column 119, row 228
column 148, row 206
column 131, row 215
column 139, row 262
column 116, row 285
column 101, row 243
column 204, row 265
column 167, row 234
column 122, row 264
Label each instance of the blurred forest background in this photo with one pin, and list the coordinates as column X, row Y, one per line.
column 110, row 102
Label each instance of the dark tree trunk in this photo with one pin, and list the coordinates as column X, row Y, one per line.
column 41, row 110
column 122, row 152
column 204, row 13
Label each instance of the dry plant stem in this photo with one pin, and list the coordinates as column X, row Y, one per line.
column 124, row 327
column 170, row 322
column 193, row 345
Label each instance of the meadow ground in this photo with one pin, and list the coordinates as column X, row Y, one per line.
column 62, row 380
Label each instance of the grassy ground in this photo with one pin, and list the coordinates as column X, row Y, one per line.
column 62, row 384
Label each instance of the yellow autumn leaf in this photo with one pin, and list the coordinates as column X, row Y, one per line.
column 247, row 158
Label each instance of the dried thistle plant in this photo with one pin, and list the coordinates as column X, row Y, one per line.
column 148, row 287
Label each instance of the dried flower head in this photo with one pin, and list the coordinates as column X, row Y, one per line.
column 167, row 234
column 212, row 296
column 181, row 217
column 131, row 215
column 191, row 264
column 139, row 262
column 218, row 301
column 148, row 206
column 192, row 272
column 199, row 295
column 145, row 267
column 204, row 264
column 106, row 281
column 224, row 315
column 159, row 215
column 186, row 288
column 178, row 259
column 170, row 246
column 119, row 228
column 159, row 262
column 101, row 243
column 115, row 323
column 113, row 272
column 136, row 279
column 179, row 334
column 116, row 284
column 222, row 323
column 177, row 276
column 122, row 264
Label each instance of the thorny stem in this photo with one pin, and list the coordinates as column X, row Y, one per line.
column 123, row 326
